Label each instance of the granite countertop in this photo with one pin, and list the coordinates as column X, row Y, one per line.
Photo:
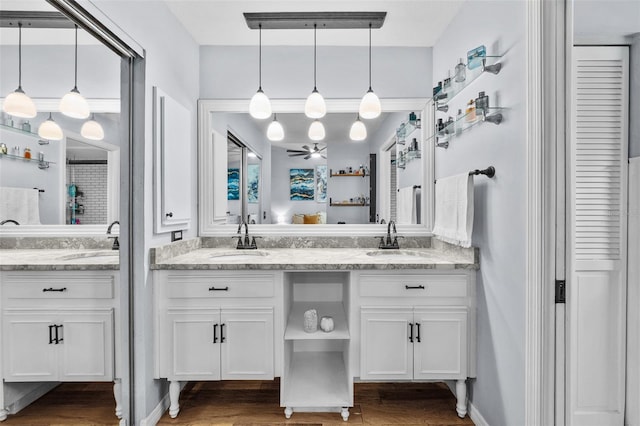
column 319, row 259
column 59, row 259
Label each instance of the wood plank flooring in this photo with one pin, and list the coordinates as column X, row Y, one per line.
column 244, row 403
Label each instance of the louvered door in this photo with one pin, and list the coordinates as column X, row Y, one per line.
column 596, row 287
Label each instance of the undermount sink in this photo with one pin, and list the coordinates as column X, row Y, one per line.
column 239, row 255
column 392, row 254
column 93, row 255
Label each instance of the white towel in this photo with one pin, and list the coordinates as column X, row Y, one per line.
column 454, row 209
column 406, row 205
column 20, row 204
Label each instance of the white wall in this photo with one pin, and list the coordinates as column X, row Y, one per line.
column 172, row 64
column 634, row 97
column 500, row 217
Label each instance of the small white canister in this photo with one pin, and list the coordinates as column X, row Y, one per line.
column 326, row 324
column 311, row 321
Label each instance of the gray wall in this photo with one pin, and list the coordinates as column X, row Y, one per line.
column 172, row 59
column 634, row 98
column 605, row 18
column 500, row 217
column 287, row 72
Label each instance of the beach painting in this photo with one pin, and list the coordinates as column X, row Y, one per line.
column 233, row 184
column 253, row 183
column 321, row 183
column 301, row 184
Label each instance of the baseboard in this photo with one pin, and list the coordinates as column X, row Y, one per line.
column 154, row 417
column 29, row 397
column 473, row 413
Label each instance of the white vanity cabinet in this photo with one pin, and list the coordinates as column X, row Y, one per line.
column 213, row 325
column 418, row 326
column 59, row 326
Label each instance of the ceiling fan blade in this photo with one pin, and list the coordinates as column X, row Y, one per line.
column 307, row 157
column 306, row 147
column 295, row 150
column 324, row 156
column 322, row 149
column 300, row 154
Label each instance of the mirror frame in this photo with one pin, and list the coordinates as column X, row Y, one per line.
column 208, row 227
column 105, row 105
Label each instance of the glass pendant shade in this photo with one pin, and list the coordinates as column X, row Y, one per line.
column 19, row 104
column 316, row 131
column 74, row 105
column 91, row 129
column 315, row 107
column 260, row 106
column 275, row 132
column 358, row 131
column 50, row 130
column 370, row 105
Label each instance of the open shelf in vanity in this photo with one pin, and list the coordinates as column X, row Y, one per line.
column 316, row 373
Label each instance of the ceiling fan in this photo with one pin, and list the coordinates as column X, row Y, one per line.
column 307, row 152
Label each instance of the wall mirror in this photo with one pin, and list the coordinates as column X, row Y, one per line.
column 76, row 178
column 344, row 186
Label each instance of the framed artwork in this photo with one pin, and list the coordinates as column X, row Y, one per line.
column 301, row 181
column 253, row 183
column 233, row 184
column 321, row 183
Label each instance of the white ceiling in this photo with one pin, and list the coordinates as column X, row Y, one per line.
column 408, row 22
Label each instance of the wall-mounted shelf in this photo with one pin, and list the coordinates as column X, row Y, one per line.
column 464, row 123
column 349, row 204
column 490, row 64
column 24, row 132
column 41, row 164
column 405, row 130
column 348, row 174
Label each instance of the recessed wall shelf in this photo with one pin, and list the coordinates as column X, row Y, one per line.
column 24, row 132
column 447, row 95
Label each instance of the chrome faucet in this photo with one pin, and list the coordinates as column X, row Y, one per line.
column 9, row 221
column 245, row 243
column 387, row 242
column 116, row 243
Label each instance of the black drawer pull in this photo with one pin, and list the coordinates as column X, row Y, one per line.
column 222, row 338
column 59, row 338
column 219, row 289
column 51, row 334
column 215, row 333
column 418, row 334
column 414, row 287
column 411, row 332
column 44, row 290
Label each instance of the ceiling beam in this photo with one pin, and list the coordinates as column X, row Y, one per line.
column 34, row 19
column 306, row 20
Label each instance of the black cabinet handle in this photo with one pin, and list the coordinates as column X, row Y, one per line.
column 215, row 333
column 222, row 338
column 44, row 290
column 219, row 289
column 414, row 287
column 411, row 332
column 58, row 338
column 170, row 214
column 418, row 334
column 50, row 334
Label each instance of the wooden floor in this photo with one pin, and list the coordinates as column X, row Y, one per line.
column 244, row 403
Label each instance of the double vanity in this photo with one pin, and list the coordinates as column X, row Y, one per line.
column 227, row 314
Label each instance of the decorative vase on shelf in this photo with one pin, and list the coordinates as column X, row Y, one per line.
column 311, row 321
column 326, row 324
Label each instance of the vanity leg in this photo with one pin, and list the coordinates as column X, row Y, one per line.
column 288, row 412
column 345, row 413
column 117, row 395
column 461, row 395
column 3, row 415
column 174, row 395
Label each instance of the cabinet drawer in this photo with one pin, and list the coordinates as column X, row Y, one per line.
column 411, row 286
column 77, row 287
column 220, row 286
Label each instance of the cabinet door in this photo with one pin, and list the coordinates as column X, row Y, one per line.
column 29, row 347
column 440, row 348
column 247, row 349
column 86, row 346
column 194, row 345
column 386, row 351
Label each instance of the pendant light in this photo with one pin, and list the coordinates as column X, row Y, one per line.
column 73, row 104
column 315, row 107
column 358, row 130
column 50, row 130
column 260, row 107
column 316, row 131
column 370, row 105
column 275, row 132
column 17, row 103
column 91, row 129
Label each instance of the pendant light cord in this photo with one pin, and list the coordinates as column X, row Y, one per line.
column 260, row 57
column 314, row 56
column 20, row 55
column 369, row 56
column 75, row 79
